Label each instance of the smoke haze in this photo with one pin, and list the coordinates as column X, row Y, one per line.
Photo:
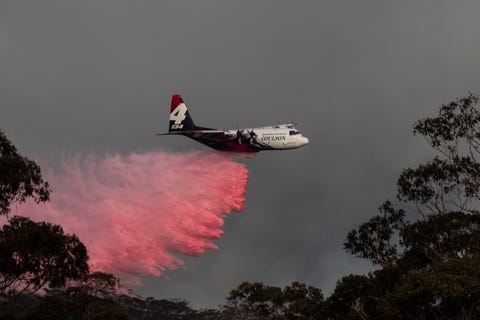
column 97, row 76
column 135, row 213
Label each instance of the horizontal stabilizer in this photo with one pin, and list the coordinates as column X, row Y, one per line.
column 190, row 132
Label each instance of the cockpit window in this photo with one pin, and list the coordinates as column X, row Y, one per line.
column 293, row 132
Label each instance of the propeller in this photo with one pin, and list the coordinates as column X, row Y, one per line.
column 245, row 134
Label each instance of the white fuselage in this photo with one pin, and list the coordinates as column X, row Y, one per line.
column 276, row 137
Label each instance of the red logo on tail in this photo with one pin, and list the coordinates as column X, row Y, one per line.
column 176, row 100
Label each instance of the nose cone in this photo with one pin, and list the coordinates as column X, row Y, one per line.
column 304, row 141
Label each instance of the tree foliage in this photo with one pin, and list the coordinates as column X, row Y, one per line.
column 36, row 254
column 74, row 303
column 372, row 240
column 258, row 301
column 353, row 298
column 152, row 309
column 429, row 257
column 20, row 177
column 101, row 284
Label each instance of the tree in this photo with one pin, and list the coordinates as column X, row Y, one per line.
column 20, row 178
column 101, row 283
column 152, row 309
column 258, row 301
column 353, row 298
column 429, row 256
column 74, row 303
column 36, row 254
column 255, row 301
column 302, row 302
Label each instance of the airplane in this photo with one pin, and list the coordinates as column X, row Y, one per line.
column 276, row 137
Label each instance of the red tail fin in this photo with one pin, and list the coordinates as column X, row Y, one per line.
column 176, row 100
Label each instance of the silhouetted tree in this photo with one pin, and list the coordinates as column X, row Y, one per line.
column 152, row 309
column 353, row 298
column 428, row 247
column 258, row 301
column 36, row 254
column 20, row 178
column 101, row 284
column 75, row 303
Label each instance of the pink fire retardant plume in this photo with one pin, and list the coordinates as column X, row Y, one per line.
column 135, row 213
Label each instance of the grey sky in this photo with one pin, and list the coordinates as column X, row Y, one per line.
column 81, row 76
